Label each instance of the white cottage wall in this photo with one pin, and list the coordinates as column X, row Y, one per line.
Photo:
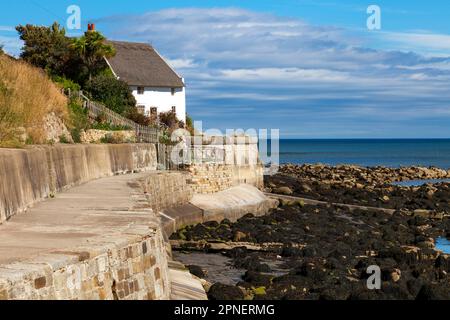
column 162, row 99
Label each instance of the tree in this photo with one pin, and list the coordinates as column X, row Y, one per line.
column 1, row 49
column 92, row 50
column 114, row 94
column 48, row 48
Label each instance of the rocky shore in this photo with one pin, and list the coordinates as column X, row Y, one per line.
column 324, row 251
column 364, row 186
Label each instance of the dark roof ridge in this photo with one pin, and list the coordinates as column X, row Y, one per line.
column 140, row 64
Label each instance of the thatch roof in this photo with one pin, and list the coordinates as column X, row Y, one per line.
column 139, row 64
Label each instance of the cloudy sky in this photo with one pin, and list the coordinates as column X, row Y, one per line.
column 310, row 68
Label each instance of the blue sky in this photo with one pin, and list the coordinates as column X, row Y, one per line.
column 310, row 68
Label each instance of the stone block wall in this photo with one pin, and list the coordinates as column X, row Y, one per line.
column 130, row 266
column 167, row 189
column 96, row 136
column 33, row 174
column 227, row 165
column 210, row 178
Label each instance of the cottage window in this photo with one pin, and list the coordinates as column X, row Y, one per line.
column 140, row 90
column 153, row 111
column 173, row 91
column 141, row 109
column 174, row 109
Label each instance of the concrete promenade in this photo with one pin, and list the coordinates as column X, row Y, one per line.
column 75, row 217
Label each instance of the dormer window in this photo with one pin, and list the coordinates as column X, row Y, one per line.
column 140, row 90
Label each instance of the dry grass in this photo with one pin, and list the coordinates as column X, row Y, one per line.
column 27, row 95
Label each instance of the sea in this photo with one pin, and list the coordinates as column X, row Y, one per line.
column 367, row 152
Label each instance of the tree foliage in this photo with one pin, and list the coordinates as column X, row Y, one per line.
column 77, row 59
column 49, row 48
column 113, row 93
column 92, row 49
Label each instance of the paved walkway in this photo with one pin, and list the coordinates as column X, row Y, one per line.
column 75, row 217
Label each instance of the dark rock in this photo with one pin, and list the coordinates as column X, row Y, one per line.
column 219, row 291
column 197, row 271
column 434, row 292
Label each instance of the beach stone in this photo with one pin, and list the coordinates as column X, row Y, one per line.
column 284, row 190
column 432, row 292
column 197, row 271
column 219, row 291
column 396, row 275
column 239, row 236
column 421, row 213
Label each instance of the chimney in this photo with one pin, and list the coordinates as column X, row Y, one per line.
column 91, row 27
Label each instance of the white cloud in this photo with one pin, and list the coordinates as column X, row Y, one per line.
column 427, row 43
column 182, row 63
column 255, row 61
column 7, row 28
column 284, row 74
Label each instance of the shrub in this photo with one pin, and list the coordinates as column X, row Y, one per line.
column 114, row 94
column 170, row 120
column 106, row 126
column 110, row 139
column 134, row 115
column 79, row 120
column 67, row 84
column 190, row 125
column 64, row 139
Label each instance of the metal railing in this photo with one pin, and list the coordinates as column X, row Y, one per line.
column 143, row 133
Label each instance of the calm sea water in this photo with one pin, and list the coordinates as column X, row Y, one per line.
column 391, row 153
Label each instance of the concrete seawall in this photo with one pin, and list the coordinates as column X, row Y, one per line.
column 30, row 175
column 106, row 238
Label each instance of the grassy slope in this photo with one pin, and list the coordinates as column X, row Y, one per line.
column 27, row 95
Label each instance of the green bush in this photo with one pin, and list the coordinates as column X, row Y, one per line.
column 109, row 127
column 64, row 139
column 114, row 94
column 190, row 125
column 170, row 120
column 110, row 139
column 79, row 120
column 134, row 115
column 67, row 83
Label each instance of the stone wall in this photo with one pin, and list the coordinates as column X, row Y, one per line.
column 210, row 178
column 127, row 268
column 166, row 189
column 96, row 136
column 226, row 166
column 33, row 174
